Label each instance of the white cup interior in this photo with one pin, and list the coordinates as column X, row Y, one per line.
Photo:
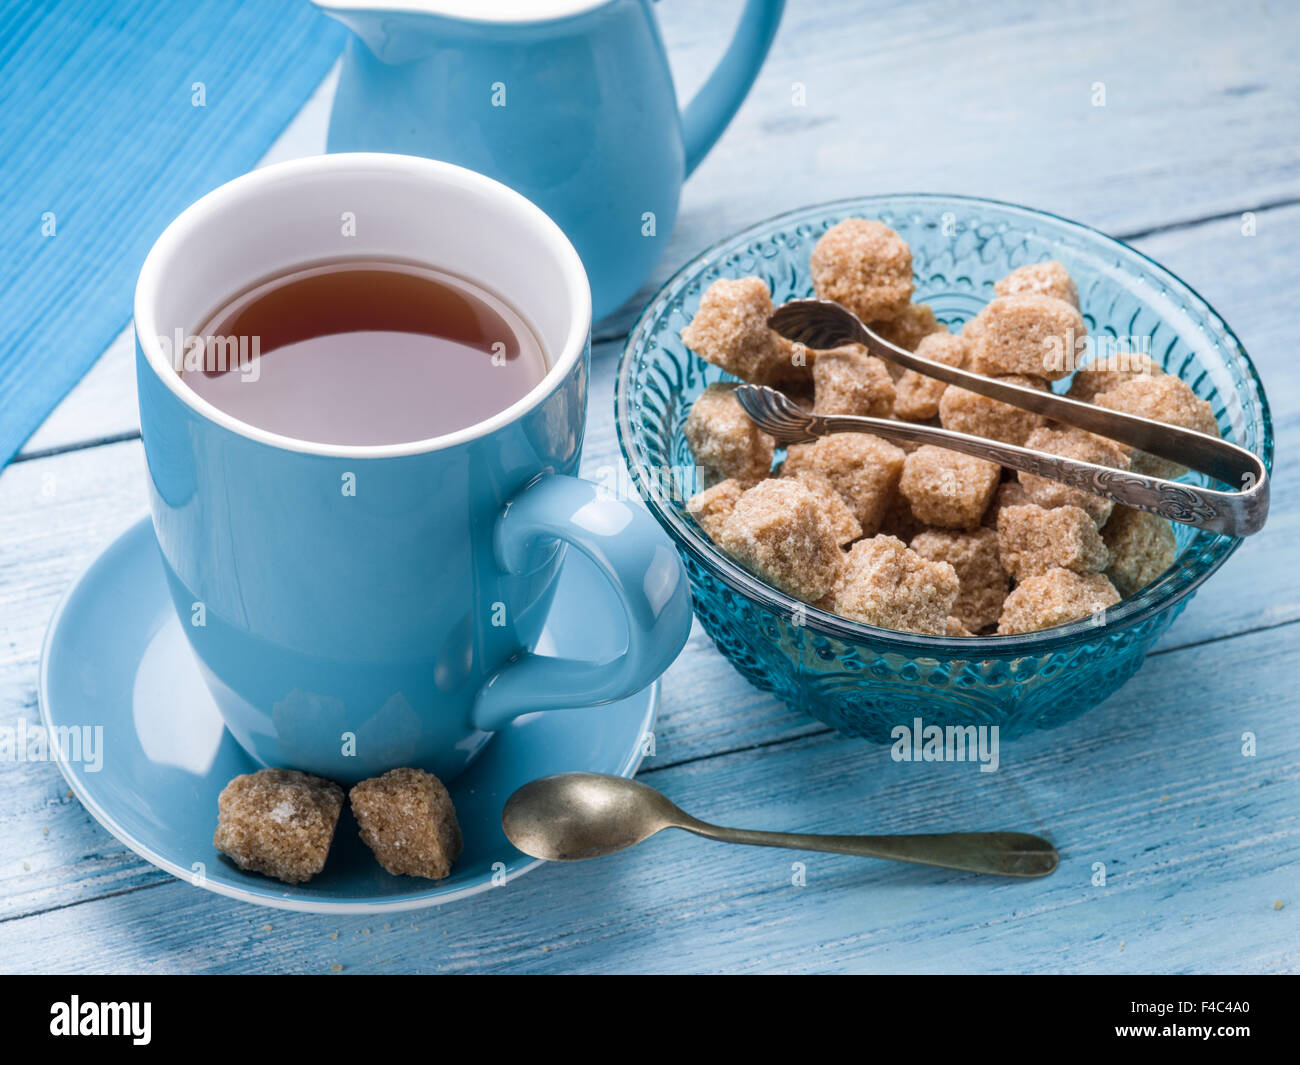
column 363, row 206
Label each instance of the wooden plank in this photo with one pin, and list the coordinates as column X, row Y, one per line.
column 1198, row 844
column 57, row 514
column 1198, row 141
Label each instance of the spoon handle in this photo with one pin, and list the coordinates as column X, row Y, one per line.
column 999, row 853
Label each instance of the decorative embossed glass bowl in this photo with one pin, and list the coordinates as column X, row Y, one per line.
column 864, row 680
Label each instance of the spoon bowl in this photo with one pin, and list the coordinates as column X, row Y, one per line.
column 569, row 817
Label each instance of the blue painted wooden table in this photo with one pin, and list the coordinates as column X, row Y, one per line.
column 1169, row 125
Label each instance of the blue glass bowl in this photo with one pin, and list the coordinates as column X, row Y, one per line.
column 863, row 680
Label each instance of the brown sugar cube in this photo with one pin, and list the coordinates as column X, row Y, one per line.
column 956, row 628
column 1142, row 546
column 1101, row 375
column 865, row 266
column 1166, row 399
column 848, row 380
column 916, row 397
column 970, row 332
column 1009, row 494
column 826, row 602
column 712, row 507
column 801, row 399
column 778, row 532
column 899, row 521
column 909, row 446
column 1076, row 444
column 724, row 441
column 974, row 557
column 908, row 329
column 963, row 411
column 1044, row 279
column 863, row 468
column 1054, row 598
column 278, row 822
column 730, row 330
column 834, row 510
column 407, row 818
column 947, row 488
column 1033, row 540
column 887, row 584
column 1030, row 334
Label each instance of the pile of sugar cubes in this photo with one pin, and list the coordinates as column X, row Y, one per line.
column 923, row 539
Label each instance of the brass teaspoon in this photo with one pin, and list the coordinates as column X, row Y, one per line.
column 574, row 816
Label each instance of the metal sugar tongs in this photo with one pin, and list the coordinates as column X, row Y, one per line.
column 822, row 324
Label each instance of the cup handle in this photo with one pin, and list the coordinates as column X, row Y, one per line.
column 638, row 560
column 719, row 98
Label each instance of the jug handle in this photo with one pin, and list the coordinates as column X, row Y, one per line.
column 718, row 99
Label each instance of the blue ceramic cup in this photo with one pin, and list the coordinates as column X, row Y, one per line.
column 354, row 609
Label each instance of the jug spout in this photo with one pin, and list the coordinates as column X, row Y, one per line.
column 393, row 32
column 401, row 31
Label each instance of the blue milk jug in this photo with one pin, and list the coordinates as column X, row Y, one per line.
column 570, row 102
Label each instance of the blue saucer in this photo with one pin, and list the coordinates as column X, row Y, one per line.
column 115, row 656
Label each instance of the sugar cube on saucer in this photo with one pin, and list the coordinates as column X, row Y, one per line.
column 407, row 818
column 278, row 822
